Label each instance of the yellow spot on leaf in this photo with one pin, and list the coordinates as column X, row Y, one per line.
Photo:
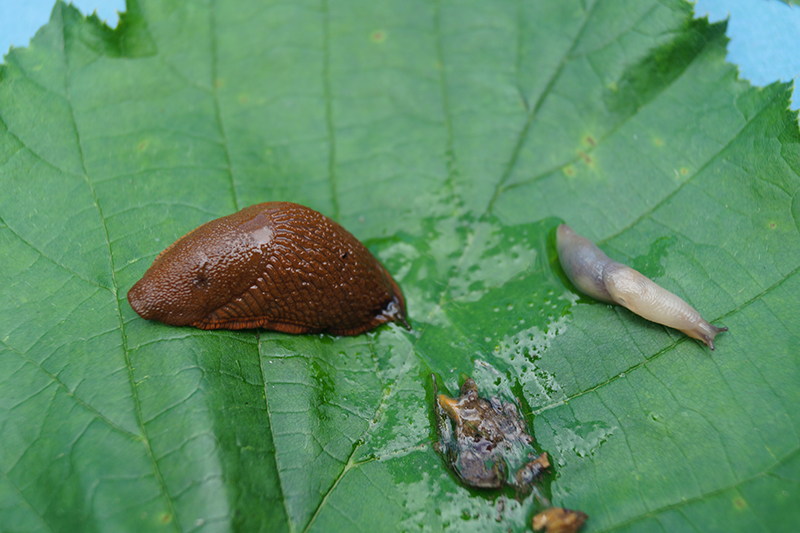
column 658, row 141
column 684, row 171
column 165, row 518
column 739, row 503
column 569, row 170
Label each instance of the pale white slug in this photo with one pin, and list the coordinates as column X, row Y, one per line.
column 599, row 276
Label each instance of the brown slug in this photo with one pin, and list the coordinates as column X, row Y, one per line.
column 595, row 274
column 275, row 265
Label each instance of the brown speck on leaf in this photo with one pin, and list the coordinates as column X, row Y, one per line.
column 559, row 520
column 585, row 157
column 590, row 140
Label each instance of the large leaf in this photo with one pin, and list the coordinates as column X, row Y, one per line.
column 452, row 138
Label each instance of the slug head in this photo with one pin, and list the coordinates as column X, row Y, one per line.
column 583, row 263
column 203, row 270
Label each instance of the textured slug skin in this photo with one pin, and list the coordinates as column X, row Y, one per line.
column 275, row 265
column 599, row 276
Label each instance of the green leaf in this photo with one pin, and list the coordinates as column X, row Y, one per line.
column 451, row 138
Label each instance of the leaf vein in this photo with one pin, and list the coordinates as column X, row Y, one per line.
column 55, row 379
column 671, row 195
column 689, row 501
column 327, row 95
column 535, row 110
column 280, row 480
column 215, row 94
column 665, row 349
column 137, row 404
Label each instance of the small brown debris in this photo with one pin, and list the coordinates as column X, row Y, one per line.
column 484, row 440
column 530, row 472
column 559, row 520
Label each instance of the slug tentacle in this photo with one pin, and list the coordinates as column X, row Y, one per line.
column 599, row 276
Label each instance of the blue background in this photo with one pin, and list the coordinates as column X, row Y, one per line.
column 765, row 34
